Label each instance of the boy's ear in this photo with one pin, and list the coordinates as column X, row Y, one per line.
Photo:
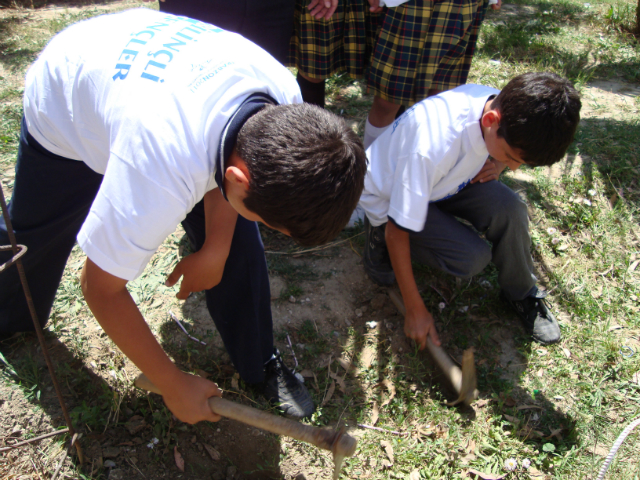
column 237, row 176
column 491, row 118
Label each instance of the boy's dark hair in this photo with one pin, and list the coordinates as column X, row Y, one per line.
column 306, row 169
column 539, row 115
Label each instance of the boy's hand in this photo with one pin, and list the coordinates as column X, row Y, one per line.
column 320, row 9
column 418, row 325
column 200, row 271
column 491, row 170
column 188, row 400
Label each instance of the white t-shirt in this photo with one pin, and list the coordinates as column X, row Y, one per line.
column 428, row 154
column 142, row 97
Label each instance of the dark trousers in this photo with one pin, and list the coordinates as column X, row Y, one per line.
column 51, row 199
column 268, row 24
column 493, row 209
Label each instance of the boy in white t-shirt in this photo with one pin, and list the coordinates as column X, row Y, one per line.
column 439, row 161
column 137, row 121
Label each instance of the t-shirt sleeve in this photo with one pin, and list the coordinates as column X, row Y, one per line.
column 129, row 219
column 411, row 191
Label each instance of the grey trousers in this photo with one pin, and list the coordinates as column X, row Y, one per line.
column 493, row 209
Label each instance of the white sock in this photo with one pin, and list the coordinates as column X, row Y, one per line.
column 371, row 133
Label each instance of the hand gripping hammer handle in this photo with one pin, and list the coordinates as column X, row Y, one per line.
column 338, row 443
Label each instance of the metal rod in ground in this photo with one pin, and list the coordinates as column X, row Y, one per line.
column 34, row 317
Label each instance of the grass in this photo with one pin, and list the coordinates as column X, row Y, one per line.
column 561, row 407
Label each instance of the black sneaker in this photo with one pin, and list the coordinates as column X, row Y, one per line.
column 537, row 318
column 283, row 389
column 376, row 259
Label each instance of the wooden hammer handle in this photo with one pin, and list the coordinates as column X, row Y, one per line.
column 450, row 369
column 339, row 444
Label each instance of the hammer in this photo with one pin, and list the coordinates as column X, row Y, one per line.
column 463, row 381
column 338, row 443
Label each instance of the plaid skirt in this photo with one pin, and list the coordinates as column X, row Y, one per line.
column 403, row 52
column 344, row 43
column 424, row 45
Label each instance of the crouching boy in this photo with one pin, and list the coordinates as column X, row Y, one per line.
column 137, row 121
column 440, row 161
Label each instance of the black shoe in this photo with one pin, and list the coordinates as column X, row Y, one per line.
column 537, row 318
column 285, row 391
column 376, row 259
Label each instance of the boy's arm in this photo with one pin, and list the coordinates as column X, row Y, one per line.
column 107, row 296
column 203, row 269
column 418, row 322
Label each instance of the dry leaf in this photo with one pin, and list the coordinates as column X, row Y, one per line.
column 471, row 446
column 633, row 266
column 178, row 458
column 213, row 453
column 388, row 450
column 415, row 475
column 374, row 413
column 482, row 403
column 601, row 451
column 509, row 402
column 442, row 432
column 341, row 384
column 636, row 377
column 529, row 407
column 329, row 393
column 306, row 373
column 511, row 419
column 346, row 364
column 556, row 433
column 234, row 381
column 540, row 372
column 392, row 391
column 566, row 352
column 485, row 476
column 467, row 459
column 615, row 327
column 536, row 474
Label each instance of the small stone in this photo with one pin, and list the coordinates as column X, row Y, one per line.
column 135, row 424
column 111, row 452
column 358, row 312
column 116, row 474
column 109, row 464
column 347, row 322
column 308, row 299
column 378, row 301
column 292, row 299
column 194, row 439
column 231, row 472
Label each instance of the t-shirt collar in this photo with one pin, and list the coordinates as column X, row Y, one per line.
column 252, row 105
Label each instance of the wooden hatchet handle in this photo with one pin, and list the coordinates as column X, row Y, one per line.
column 464, row 384
column 339, row 443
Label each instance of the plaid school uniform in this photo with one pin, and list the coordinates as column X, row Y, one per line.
column 344, row 43
column 424, row 45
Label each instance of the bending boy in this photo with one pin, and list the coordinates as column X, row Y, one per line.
column 137, row 121
column 439, row 161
